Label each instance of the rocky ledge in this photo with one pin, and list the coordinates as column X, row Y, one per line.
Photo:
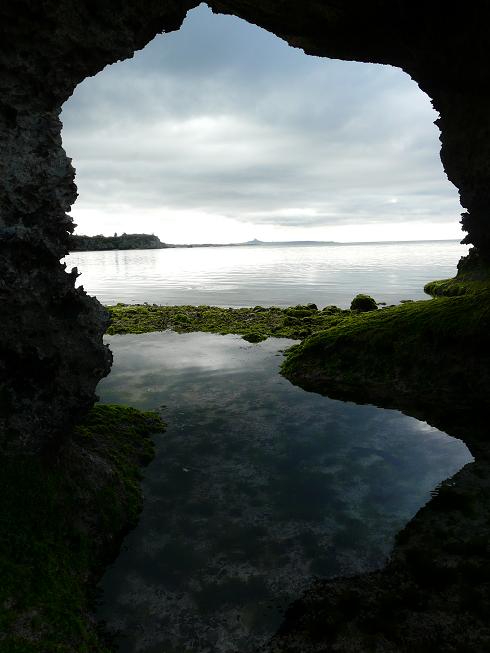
column 62, row 521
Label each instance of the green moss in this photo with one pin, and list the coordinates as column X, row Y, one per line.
column 363, row 304
column 60, row 523
column 434, row 349
column 455, row 287
column 292, row 322
column 473, row 277
column 254, row 337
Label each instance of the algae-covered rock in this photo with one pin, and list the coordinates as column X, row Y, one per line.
column 257, row 323
column 181, row 318
column 301, row 310
column 62, row 522
column 254, row 337
column 473, row 276
column 363, row 304
column 429, row 352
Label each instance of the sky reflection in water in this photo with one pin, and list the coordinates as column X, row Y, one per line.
column 257, row 487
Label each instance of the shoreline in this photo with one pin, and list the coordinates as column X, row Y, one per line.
column 63, row 523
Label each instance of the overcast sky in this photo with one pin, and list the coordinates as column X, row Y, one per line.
column 223, row 133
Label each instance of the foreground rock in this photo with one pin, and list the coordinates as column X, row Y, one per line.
column 254, row 324
column 61, row 522
column 431, row 355
column 434, row 594
column 363, row 304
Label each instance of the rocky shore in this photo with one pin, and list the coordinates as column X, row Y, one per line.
column 61, row 523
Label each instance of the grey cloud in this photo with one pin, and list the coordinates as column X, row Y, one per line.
column 226, row 118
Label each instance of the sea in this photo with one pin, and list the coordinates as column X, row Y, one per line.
column 268, row 275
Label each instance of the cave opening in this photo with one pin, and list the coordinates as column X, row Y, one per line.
column 401, row 152
column 52, row 356
column 223, row 133
column 40, row 179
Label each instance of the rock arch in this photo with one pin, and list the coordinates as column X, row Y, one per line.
column 51, row 350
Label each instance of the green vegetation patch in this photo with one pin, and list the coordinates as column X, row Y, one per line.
column 473, row 277
column 255, row 324
column 437, row 348
column 363, row 304
column 61, row 521
column 124, row 241
column 455, row 287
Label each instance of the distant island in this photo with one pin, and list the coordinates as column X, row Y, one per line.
column 258, row 243
column 124, row 241
column 150, row 241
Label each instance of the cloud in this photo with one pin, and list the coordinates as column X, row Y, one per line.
column 222, row 118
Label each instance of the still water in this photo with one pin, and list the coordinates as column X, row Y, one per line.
column 257, row 488
column 267, row 275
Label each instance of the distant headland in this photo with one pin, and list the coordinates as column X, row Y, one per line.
column 150, row 241
column 124, row 241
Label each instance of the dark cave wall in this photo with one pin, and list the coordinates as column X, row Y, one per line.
column 51, row 350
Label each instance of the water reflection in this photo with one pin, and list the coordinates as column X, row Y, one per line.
column 257, row 488
column 281, row 276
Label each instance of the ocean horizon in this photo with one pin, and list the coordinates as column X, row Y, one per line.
column 267, row 274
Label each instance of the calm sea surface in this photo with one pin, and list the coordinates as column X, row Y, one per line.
column 257, row 488
column 266, row 275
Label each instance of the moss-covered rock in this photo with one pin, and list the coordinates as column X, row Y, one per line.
column 363, row 304
column 432, row 595
column 254, row 337
column 435, row 351
column 456, row 286
column 473, row 276
column 292, row 322
column 60, row 524
column 446, row 288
